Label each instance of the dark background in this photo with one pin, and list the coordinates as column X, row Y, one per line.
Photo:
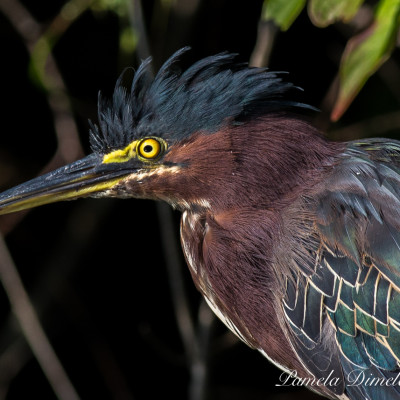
column 95, row 270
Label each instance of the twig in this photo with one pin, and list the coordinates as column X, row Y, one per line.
column 30, row 326
column 266, row 34
column 174, row 269
column 199, row 367
column 136, row 19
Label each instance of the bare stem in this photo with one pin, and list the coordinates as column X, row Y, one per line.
column 32, row 329
column 266, row 34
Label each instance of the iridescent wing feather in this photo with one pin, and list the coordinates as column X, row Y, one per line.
column 355, row 281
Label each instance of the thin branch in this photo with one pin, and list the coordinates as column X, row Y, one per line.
column 136, row 19
column 198, row 389
column 267, row 31
column 174, row 269
column 32, row 329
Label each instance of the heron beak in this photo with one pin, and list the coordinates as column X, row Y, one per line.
column 82, row 178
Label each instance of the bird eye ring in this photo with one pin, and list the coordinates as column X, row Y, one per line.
column 150, row 148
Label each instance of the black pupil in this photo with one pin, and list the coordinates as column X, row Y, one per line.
column 148, row 148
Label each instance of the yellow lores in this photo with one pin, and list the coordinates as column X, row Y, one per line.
column 145, row 149
column 120, row 156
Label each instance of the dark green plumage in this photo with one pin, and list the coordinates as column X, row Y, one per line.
column 358, row 278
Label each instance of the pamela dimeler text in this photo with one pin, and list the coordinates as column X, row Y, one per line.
column 357, row 377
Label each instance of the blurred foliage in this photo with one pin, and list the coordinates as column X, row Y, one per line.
column 282, row 12
column 364, row 53
column 325, row 12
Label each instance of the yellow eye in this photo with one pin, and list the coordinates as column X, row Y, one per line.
column 150, row 148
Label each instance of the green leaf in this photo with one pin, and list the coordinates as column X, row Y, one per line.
column 325, row 12
column 282, row 12
column 365, row 53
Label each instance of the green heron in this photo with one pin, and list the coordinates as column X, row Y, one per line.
column 293, row 240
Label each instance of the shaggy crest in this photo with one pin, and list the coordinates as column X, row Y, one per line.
column 211, row 93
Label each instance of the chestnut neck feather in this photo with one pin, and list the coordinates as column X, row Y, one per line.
column 265, row 162
column 284, row 155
